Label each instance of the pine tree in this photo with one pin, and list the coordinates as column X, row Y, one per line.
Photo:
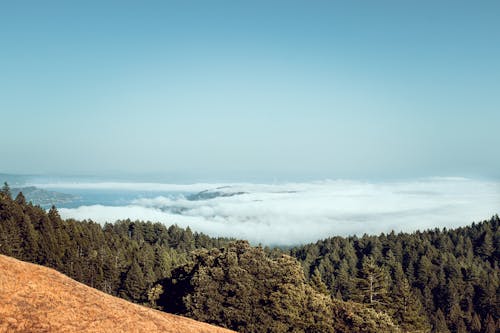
column 475, row 324
column 440, row 325
column 318, row 284
column 455, row 317
column 133, row 285
column 408, row 309
column 187, row 240
column 6, row 190
column 489, row 325
column 460, row 326
column 485, row 245
column 424, row 271
column 29, row 238
column 20, row 199
column 344, row 282
column 372, row 284
column 10, row 238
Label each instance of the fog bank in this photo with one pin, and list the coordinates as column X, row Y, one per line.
column 293, row 213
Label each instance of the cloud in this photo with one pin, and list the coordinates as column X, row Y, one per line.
column 293, row 213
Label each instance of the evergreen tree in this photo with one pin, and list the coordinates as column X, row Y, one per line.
column 372, row 284
column 408, row 309
column 454, row 274
column 344, row 283
column 133, row 286
column 244, row 289
column 29, row 239
column 440, row 325
column 460, row 327
column 318, row 284
column 475, row 325
column 490, row 325
column 455, row 318
column 485, row 245
column 6, row 190
column 20, row 199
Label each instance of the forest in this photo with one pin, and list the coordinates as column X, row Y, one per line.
column 427, row 281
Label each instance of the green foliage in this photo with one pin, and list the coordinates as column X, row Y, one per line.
column 408, row 311
column 6, row 190
column 354, row 317
column 242, row 288
column 440, row 325
column 154, row 295
column 490, row 325
column 123, row 259
column 318, row 284
column 443, row 280
column 475, row 324
column 373, row 284
column 415, row 277
column 134, row 283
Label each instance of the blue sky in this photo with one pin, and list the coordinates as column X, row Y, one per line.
column 256, row 90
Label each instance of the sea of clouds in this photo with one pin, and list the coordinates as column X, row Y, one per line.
column 294, row 213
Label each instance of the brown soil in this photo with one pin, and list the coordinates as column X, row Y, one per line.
column 38, row 299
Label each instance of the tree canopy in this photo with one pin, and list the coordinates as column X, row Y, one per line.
column 436, row 280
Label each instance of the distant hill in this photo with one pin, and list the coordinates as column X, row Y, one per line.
column 42, row 197
column 39, row 299
column 210, row 194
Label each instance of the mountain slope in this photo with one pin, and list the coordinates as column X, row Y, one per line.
column 36, row 298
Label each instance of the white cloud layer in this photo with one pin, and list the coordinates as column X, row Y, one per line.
column 294, row 213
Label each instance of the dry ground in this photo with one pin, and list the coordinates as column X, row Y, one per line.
column 38, row 299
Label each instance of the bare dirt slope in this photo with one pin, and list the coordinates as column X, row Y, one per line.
column 38, row 299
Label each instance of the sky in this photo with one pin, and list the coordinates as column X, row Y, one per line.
column 250, row 91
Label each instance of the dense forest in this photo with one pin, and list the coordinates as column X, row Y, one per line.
column 452, row 277
column 433, row 281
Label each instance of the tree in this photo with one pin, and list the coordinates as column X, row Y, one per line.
column 424, row 272
column 460, row 326
column 318, row 284
column 372, row 284
column 154, row 295
column 133, row 286
column 455, row 318
column 408, row 309
column 242, row 288
column 475, row 324
column 490, row 325
column 440, row 325
column 454, row 274
column 485, row 246
column 29, row 239
column 6, row 190
column 20, row 199
column 351, row 317
column 344, row 283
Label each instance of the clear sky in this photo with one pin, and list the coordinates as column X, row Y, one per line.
column 233, row 90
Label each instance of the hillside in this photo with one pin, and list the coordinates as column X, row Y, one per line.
column 450, row 276
column 36, row 298
column 43, row 197
column 434, row 280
